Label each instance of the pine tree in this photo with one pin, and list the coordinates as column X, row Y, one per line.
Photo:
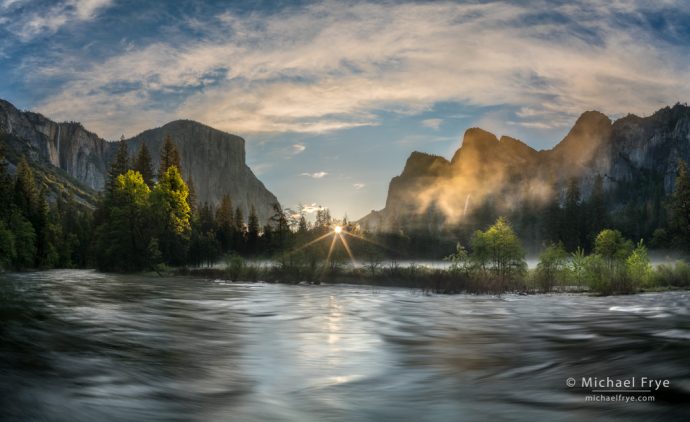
column 240, row 231
column 172, row 215
column 119, row 166
column 572, row 232
column 169, row 157
column 253, row 230
column 679, row 205
column 226, row 226
column 25, row 191
column 123, row 236
column 597, row 217
column 280, row 223
column 143, row 165
column 302, row 227
column 6, row 189
column 192, row 198
column 239, row 219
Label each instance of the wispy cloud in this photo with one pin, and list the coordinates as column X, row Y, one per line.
column 317, row 175
column 298, row 148
column 359, row 186
column 432, row 123
column 46, row 20
column 311, row 208
column 334, row 65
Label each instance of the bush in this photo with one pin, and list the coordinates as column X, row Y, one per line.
column 551, row 267
column 234, row 266
column 638, row 267
column 677, row 275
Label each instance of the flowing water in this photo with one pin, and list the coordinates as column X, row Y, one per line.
column 85, row 346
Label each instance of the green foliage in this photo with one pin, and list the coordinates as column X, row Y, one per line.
column 8, row 253
column 612, row 247
column 576, row 267
column 552, row 266
column 24, row 240
column 638, row 266
column 460, row 260
column 679, row 206
column 118, row 167
column 499, row 251
column 234, row 266
column 171, row 216
column 123, row 237
column 170, row 157
column 674, row 276
column 252, row 231
column 143, row 165
column 597, row 274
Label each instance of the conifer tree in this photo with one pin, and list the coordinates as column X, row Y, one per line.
column 302, row 226
column 597, row 218
column 25, row 191
column 225, row 223
column 119, row 166
column 680, row 205
column 169, row 157
column 253, row 230
column 143, row 165
column 572, row 232
column 171, row 215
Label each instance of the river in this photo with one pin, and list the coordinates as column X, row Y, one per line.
column 86, row 346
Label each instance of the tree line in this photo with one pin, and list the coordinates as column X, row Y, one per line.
column 146, row 218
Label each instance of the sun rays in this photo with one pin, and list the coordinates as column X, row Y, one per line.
column 337, row 236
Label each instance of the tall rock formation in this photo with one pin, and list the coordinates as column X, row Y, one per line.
column 214, row 159
column 637, row 158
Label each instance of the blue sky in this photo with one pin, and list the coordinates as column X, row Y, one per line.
column 333, row 96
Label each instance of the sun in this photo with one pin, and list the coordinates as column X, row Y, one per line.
column 338, row 229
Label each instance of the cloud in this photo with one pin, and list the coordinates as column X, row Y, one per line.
column 334, row 65
column 432, row 123
column 312, row 208
column 36, row 21
column 359, row 186
column 317, row 175
column 298, row 148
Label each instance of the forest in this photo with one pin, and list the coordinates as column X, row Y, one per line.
column 148, row 220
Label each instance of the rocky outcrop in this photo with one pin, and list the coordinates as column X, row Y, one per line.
column 215, row 160
column 68, row 146
column 505, row 172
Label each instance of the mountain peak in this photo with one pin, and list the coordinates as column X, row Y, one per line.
column 420, row 163
column 591, row 130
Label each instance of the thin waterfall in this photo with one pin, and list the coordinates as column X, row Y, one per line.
column 467, row 203
column 58, row 146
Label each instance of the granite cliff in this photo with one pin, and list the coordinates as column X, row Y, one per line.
column 637, row 157
column 215, row 160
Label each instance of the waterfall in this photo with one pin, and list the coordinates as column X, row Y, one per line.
column 58, row 146
column 467, row 203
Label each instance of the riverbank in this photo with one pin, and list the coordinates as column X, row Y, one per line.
column 451, row 280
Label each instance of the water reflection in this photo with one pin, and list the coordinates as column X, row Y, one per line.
column 78, row 345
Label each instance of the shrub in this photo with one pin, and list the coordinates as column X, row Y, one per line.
column 638, row 267
column 551, row 267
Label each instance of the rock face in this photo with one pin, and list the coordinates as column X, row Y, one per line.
column 502, row 173
column 215, row 160
column 68, row 146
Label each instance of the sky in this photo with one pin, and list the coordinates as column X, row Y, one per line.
column 333, row 96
